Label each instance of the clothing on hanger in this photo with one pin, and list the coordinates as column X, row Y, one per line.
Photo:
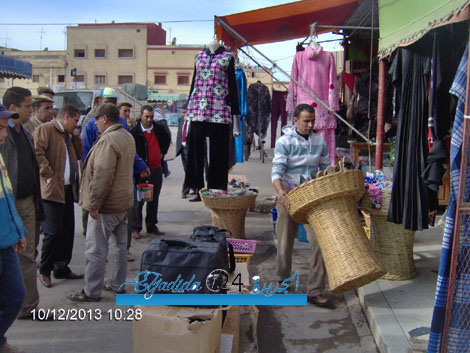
column 259, row 109
column 278, row 111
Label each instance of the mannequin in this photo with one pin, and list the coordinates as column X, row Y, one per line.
column 212, row 105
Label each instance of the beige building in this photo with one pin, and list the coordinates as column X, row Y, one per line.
column 48, row 69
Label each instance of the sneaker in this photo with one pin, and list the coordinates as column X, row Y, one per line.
column 130, row 257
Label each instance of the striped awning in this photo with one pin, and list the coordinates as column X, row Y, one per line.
column 14, row 68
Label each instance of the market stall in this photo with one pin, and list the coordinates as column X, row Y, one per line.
column 14, row 68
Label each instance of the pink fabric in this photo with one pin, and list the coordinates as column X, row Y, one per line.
column 315, row 69
column 330, row 139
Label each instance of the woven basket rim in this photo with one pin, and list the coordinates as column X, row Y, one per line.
column 238, row 202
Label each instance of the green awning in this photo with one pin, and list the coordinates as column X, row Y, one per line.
column 156, row 96
column 405, row 21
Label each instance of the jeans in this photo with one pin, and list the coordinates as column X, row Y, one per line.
column 12, row 291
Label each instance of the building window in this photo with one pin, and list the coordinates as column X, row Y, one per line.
column 183, row 79
column 124, row 79
column 60, row 78
column 100, row 53
column 36, row 78
column 79, row 78
column 79, row 53
column 100, row 79
column 160, row 79
column 125, row 53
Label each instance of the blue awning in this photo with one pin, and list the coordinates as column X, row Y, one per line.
column 14, row 68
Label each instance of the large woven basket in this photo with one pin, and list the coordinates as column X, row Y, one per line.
column 229, row 212
column 329, row 205
column 392, row 243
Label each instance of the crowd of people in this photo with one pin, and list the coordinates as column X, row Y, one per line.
column 47, row 164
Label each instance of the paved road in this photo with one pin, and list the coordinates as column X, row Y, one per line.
column 280, row 329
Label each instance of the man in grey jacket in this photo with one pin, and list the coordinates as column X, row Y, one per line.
column 106, row 191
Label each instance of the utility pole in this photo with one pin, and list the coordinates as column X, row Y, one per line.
column 40, row 41
column 6, row 40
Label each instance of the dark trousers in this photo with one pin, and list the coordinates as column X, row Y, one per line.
column 217, row 174
column 152, row 207
column 184, row 161
column 59, row 231
column 278, row 109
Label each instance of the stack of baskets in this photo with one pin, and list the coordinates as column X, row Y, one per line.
column 391, row 242
column 229, row 212
column 329, row 205
column 243, row 249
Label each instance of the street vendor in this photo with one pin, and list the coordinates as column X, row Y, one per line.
column 298, row 155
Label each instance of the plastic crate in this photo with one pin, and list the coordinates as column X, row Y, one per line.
column 242, row 246
column 243, row 258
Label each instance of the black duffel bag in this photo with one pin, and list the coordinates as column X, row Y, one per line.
column 175, row 265
column 214, row 234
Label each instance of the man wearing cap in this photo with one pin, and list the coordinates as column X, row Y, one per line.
column 106, row 191
column 58, row 148
column 42, row 112
column 12, row 234
column 20, row 160
column 46, row 91
column 125, row 113
column 106, row 95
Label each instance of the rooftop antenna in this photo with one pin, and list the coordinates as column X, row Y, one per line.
column 6, row 40
column 40, row 40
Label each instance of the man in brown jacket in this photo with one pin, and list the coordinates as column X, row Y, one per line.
column 106, row 191
column 58, row 147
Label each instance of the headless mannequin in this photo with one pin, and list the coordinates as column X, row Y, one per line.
column 213, row 46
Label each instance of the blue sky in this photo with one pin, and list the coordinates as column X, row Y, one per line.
column 27, row 37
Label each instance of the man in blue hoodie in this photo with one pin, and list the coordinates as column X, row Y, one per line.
column 298, row 154
column 12, row 231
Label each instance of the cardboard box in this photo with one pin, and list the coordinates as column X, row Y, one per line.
column 230, row 338
column 173, row 329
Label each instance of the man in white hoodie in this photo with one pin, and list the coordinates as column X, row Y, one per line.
column 298, row 154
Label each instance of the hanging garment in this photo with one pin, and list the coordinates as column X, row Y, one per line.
column 214, row 94
column 278, row 110
column 243, row 103
column 315, row 69
column 458, row 333
column 445, row 58
column 409, row 204
column 259, row 109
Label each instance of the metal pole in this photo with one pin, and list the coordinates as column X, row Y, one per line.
column 348, row 27
column 267, row 71
column 245, row 42
column 381, row 114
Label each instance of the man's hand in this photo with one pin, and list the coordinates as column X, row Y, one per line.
column 21, row 245
column 94, row 214
column 281, row 196
column 145, row 174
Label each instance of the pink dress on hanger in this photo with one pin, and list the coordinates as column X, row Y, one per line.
column 315, row 69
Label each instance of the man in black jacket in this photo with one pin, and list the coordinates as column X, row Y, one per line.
column 152, row 140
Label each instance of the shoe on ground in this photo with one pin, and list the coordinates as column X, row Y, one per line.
column 70, row 275
column 46, row 281
column 7, row 348
column 196, row 199
column 192, row 192
column 167, row 174
column 320, row 301
column 130, row 257
column 82, row 297
column 136, row 235
column 48, row 317
column 155, row 231
column 184, row 195
column 107, row 287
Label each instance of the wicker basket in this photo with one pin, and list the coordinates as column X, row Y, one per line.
column 392, row 243
column 229, row 212
column 329, row 205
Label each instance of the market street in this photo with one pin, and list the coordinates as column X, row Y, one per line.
column 280, row 329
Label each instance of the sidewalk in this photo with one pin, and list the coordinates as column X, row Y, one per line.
column 400, row 312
